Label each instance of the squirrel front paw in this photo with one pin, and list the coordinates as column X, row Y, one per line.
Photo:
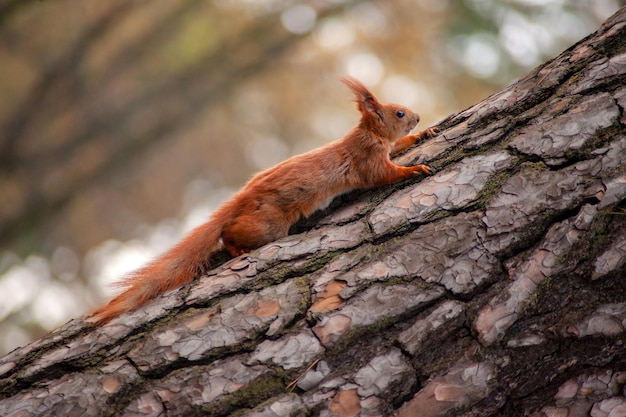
column 431, row 132
column 422, row 169
column 420, row 137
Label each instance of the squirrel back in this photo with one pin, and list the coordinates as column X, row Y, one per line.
column 274, row 199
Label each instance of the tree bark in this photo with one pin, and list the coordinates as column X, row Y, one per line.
column 494, row 287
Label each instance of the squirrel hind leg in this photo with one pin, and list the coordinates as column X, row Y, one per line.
column 234, row 251
column 247, row 233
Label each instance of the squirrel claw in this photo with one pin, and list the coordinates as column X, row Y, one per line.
column 432, row 131
column 422, row 169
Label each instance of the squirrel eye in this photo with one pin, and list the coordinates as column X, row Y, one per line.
column 400, row 114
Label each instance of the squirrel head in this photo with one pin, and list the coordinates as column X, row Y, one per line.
column 391, row 121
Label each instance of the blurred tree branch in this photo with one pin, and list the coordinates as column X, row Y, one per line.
column 62, row 71
column 9, row 7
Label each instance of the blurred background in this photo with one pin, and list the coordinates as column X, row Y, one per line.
column 123, row 124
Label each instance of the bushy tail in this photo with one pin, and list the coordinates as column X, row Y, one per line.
column 173, row 269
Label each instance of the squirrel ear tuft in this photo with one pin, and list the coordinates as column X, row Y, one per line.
column 365, row 100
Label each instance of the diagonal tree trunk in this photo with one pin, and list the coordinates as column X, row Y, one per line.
column 495, row 287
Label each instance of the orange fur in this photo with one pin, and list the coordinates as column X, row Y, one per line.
column 273, row 200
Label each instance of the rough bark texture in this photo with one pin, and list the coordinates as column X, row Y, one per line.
column 494, row 287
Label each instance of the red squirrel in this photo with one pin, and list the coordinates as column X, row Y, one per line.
column 274, row 199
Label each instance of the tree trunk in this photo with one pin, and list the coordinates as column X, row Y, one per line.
column 494, row 287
